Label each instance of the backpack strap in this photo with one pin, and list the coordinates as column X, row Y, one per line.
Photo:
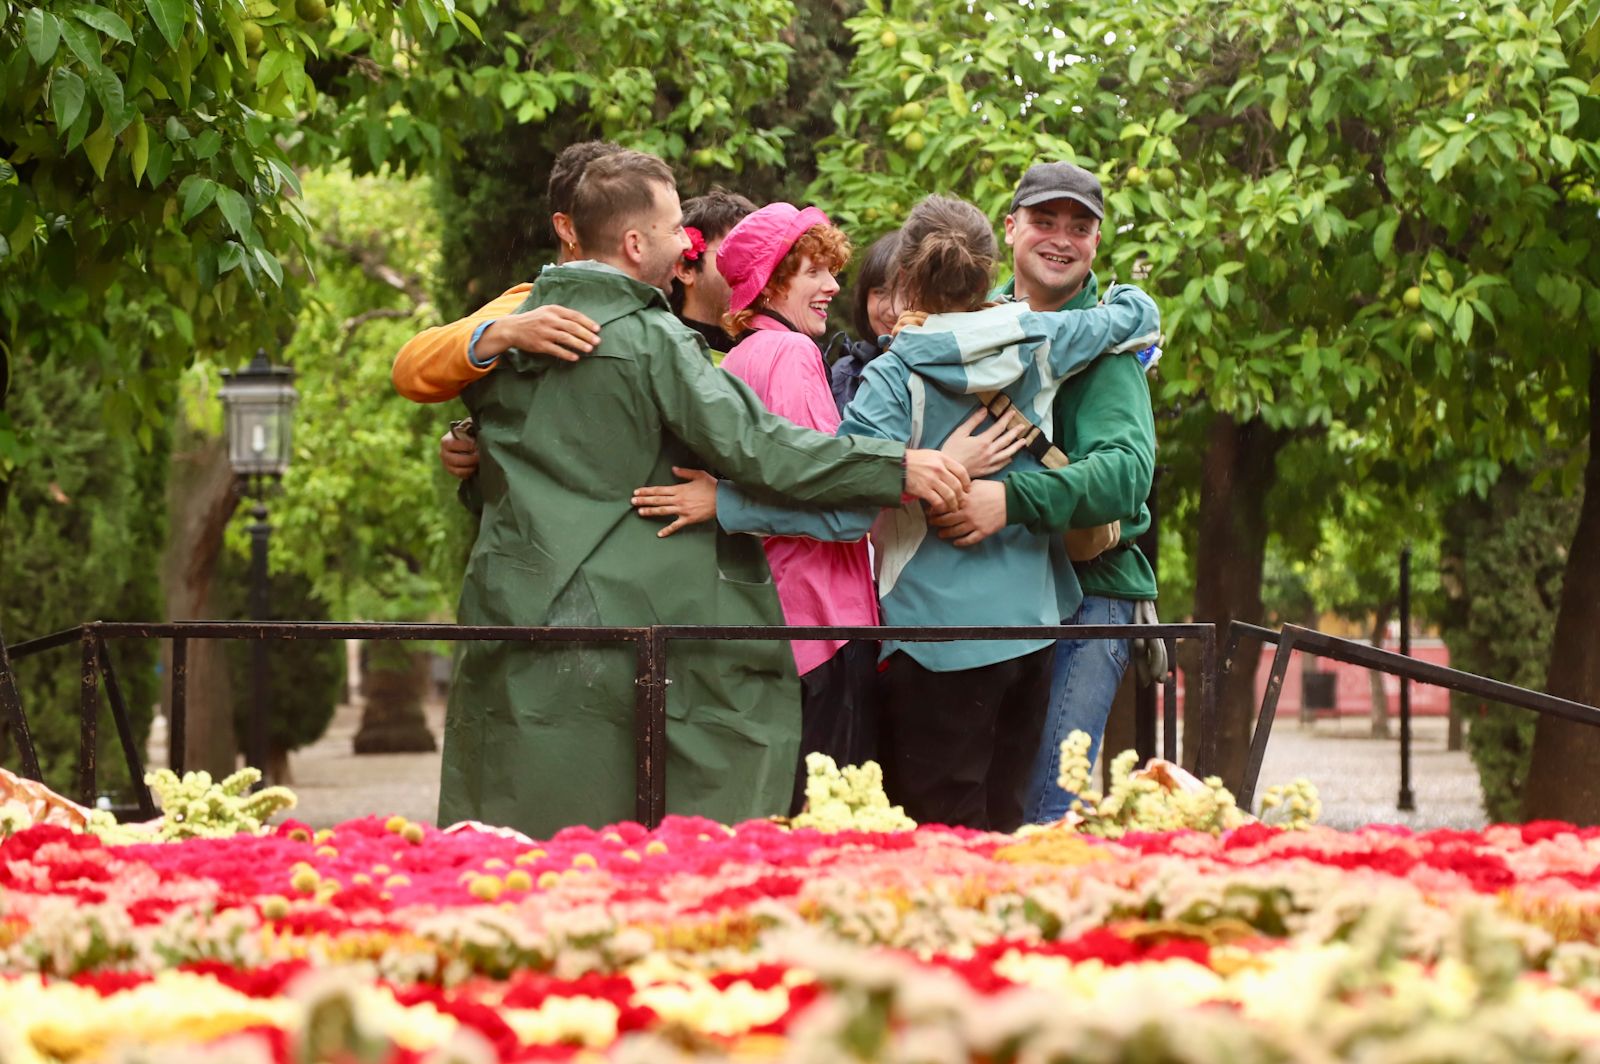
column 1083, row 544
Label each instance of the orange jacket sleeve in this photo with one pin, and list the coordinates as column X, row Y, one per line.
column 433, row 365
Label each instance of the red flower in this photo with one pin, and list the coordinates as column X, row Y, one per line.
column 697, row 244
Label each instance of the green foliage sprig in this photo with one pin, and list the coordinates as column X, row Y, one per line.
column 196, row 807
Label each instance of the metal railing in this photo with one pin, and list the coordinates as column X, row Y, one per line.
column 651, row 647
column 1354, row 652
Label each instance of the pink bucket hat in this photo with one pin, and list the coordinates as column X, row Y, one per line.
column 752, row 249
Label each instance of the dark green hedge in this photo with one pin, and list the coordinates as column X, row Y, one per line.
column 1503, row 562
column 81, row 532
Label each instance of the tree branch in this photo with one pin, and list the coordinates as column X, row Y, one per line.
column 372, row 262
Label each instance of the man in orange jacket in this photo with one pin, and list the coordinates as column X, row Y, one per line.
column 436, row 364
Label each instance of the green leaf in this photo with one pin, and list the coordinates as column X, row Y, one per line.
column 1562, row 150
column 108, row 87
column 1383, row 238
column 66, row 97
column 269, row 263
column 82, row 44
column 107, row 22
column 138, row 143
column 169, row 17
column 1297, row 148
column 206, row 144
column 466, row 20
column 97, row 146
column 232, row 255
column 1136, row 64
column 43, row 32
column 1217, row 289
column 1463, row 321
column 272, row 67
column 197, row 193
column 160, row 163
column 1279, row 111
column 235, row 209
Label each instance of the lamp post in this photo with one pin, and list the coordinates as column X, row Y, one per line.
column 259, row 401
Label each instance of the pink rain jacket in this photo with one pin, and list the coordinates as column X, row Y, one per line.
column 818, row 583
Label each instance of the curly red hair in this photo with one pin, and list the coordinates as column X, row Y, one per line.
column 824, row 245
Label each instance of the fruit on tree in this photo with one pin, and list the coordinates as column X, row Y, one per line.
column 913, row 111
column 1424, row 332
column 1163, row 178
column 311, row 10
column 915, row 141
column 613, row 112
column 1136, row 175
column 704, row 158
column 888, row 39
column 1411, row 298
column 255, row 38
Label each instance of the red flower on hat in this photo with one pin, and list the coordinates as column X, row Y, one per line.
column 697, row 244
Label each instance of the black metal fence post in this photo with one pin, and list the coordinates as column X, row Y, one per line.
column 11, row 713
column 1169, row 705
column 178, row 706
column 1206, row 756
column 1264, row 720
column 88, row 716
column 1407, row 800
column 256, row 740
column 658, row 725
column 130, row 745
column 1144, row 699
column 643, row 742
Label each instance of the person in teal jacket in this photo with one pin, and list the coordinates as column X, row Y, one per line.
column 963, row 716
column 1103, row 421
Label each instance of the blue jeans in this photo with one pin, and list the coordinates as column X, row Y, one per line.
column 1087, row 675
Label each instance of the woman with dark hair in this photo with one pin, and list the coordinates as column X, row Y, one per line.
column 872, row 314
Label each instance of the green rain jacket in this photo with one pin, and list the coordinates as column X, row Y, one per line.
column 539, row 737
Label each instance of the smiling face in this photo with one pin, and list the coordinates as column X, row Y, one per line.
column 883, row 311
column 1053, row 245
column 804, row 300
column 659, row 243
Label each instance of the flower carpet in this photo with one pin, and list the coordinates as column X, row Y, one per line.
column 389, row 941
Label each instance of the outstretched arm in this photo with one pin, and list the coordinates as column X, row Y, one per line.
column 438, row 363
column 1127, row 321
column 724, row 423
column 880, row 410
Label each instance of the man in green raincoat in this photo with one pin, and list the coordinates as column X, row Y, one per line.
column 541, row 736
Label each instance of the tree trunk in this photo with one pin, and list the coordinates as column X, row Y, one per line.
column 1380, row 697
column 1562, row 781
column 394, row 680
column 1240, row 467
column 200, row 500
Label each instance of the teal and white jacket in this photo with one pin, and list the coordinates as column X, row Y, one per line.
column 919, row 392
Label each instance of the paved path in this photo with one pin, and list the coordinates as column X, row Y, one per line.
column 1357, row 777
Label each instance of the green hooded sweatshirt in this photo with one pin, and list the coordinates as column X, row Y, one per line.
column 1104, row 424
column 539, row 737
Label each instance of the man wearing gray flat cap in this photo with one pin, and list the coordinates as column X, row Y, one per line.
column 1103, row 422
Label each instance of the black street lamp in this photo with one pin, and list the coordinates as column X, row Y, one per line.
column 259, row 401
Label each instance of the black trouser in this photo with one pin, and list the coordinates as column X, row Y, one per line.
column 958, row 745
column 840, row 702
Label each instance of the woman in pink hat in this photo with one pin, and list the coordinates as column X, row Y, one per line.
column 781, row 264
